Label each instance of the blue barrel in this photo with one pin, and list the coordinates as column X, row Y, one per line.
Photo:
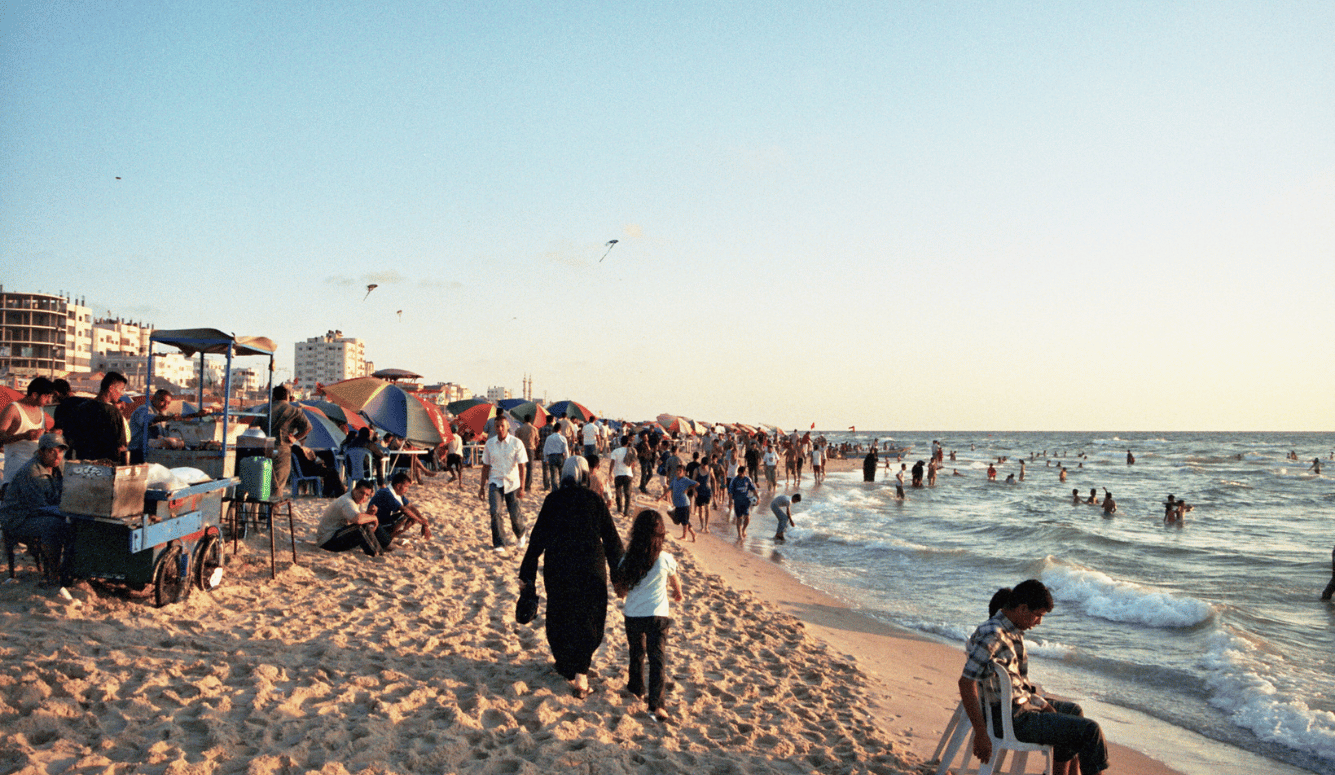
column 256, row 474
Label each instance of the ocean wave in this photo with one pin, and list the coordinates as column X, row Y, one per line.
column 1251, row 687
column 954, row 632
column 1099, row 595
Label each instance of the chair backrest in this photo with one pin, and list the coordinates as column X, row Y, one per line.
column 1003, row 703
column 357, row 462
column 296, row 465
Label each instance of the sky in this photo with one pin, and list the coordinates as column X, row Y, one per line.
column 894, row 215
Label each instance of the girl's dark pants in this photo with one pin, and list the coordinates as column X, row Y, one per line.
column 647, row 634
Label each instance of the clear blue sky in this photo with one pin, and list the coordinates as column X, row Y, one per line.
column 895, row 215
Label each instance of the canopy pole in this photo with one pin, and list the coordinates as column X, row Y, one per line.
column 227, row 400
column 269, row 430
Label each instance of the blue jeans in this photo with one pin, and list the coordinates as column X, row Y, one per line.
column 551, row 470
column 511, row 499
column 780, row 514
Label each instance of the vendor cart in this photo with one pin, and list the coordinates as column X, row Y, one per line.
column 171, row 539
column 173, row 542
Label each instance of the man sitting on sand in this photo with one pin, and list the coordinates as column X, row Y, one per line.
column 1036, row 719
column 345, row 526
column 394, row 512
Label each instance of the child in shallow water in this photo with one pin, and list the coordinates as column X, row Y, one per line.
column 645, row 577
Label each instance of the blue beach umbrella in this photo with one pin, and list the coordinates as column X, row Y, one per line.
column 325, row 433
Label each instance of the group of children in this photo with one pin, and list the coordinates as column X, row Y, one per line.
column 698, row 485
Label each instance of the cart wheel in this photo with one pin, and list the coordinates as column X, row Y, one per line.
column 170, row 584
column 207, row 571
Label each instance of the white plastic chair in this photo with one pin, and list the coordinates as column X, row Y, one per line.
column 959, row 733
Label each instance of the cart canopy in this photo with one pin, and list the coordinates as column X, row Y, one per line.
column 213, row 341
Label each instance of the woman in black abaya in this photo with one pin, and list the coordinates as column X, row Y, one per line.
column 575, row 531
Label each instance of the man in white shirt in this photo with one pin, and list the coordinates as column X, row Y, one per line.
column 554, row 453
column 590, row 433
column 503, row 461
column 623, row 471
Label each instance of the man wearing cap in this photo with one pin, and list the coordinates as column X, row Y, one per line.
column 36, row 487
column 502, row 462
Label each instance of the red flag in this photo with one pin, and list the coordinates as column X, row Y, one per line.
column 813, row 426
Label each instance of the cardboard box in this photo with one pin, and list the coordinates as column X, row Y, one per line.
column 104, row 491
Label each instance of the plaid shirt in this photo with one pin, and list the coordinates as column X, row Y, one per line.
column 998, row 640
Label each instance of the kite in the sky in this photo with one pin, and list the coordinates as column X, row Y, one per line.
column 611, row 244
column 370, row 288
column 400, row 316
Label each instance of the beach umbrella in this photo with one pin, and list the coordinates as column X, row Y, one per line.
column 337, row 413
column 354, row 394
column 397, row 411
column 9, row 395
column 457, row 408
column 437, row 416
column 519, row 409
column 475, row 419
column 675, row 424
column 570, row 409
column 325, row 434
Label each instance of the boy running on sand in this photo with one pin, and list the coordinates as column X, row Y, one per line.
column 744, row 496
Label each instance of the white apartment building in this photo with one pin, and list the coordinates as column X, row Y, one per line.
column 498, row 394
column 329, row 358
column 173, row 367
column 78, row 337
column 120, row 336
column 448, row 392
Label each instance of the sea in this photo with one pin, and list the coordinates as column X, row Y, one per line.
column 1205, row 645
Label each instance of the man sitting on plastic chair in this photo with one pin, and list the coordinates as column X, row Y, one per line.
column 1036, row 719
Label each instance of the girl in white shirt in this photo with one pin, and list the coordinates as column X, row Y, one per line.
column 644, row 578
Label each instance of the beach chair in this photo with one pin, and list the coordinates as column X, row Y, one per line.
column 959, row 734
column 359, row 464
column 11, row 548
column 299, row 480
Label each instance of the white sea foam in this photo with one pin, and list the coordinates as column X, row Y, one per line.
column 1257, row 689
column 1097, row 594
column 1048, row 648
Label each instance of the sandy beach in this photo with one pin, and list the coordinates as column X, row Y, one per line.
column 412, row 662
